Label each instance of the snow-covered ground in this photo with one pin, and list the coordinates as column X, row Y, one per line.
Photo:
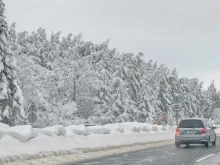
column 24, row 142
column 217, row 131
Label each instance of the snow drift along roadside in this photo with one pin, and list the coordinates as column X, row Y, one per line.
column 73, row 157
column 57, row 130
column 26, row 132
column 21, row 133
column 24, row 142
column 44, row 146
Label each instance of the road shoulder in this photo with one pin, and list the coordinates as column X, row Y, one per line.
column 91, row 154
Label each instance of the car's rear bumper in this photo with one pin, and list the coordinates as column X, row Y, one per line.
column 201, row 139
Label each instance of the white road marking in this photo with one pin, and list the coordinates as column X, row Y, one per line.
column 201, row 159
column 169, row 153
column 92, row 163
column 114, row 158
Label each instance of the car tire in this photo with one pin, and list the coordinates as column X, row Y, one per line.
column 177, row 145
column 207, row 144
column 214, row 143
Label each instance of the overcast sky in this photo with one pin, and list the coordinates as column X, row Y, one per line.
column 183, row 34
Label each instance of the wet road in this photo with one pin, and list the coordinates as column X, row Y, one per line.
column 165, row 155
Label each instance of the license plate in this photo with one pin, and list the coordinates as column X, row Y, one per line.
column 190, row 132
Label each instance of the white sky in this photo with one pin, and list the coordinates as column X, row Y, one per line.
column 183, row 34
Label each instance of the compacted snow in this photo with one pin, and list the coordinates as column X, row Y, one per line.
column 25, row 145
column 24, row 142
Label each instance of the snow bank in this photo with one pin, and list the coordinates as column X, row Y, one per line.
column 45, row 146
column 25, row 133
column 217, row 130
column 25, row 142
column 98, row 130
column 38, row 131
column 155, row 128
column 57, row 130
column 85, row 131
column 2, row 125
column 77, row 129
column 121, row 130
column 145, row 129
column 137, row 127
column 21, row 133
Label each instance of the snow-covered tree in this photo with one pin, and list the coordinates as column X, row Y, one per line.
column 11, row 98
column 211, row 99
column 72, row 81
column 165, row 100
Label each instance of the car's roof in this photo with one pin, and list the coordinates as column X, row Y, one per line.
column 203, row 119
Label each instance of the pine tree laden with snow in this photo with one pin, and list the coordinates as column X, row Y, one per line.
column 92, row 82
column 11, row 99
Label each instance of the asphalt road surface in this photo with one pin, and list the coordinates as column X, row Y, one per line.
column 165, row 155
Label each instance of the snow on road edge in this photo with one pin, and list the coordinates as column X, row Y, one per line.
column 71, row 156
column 63, row 156
column 27, row 143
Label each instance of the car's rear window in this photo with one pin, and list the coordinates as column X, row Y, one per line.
column 191, row 124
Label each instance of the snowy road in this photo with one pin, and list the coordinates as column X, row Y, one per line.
column 166, row 155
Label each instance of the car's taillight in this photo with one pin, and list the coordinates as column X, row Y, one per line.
column 177, row 132
column 203, row 130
